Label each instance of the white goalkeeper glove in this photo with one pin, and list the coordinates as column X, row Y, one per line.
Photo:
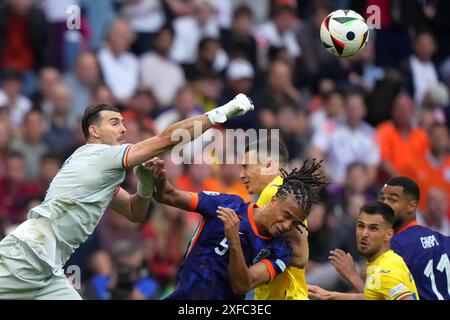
column 146, row 182
column 240, row 105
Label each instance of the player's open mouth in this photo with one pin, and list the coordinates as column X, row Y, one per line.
column 363, row 243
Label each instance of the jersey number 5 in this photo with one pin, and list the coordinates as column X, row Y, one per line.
column 224, row 247
column 444, row 264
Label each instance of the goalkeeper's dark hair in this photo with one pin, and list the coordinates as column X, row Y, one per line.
column 92, row 115
column 303, row 184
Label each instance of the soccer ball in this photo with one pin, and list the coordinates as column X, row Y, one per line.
column 344, row 33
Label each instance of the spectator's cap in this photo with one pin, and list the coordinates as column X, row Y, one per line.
column 439, row 95
column 11, row 74
column 240, row 69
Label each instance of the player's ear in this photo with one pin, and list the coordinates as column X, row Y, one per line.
column 389, row 235
column 274, row 198
column 93, row 131
column 412, row 205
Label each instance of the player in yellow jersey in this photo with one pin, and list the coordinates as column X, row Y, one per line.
column 388, row 277
column 261, row 176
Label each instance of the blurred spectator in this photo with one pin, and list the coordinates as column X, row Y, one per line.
column 278, row 90
column 15, row 189
column 49, row 167
column 5, row 136
column 145, row 17
column 101, row 94
column 357, row 182
column 81, row 81
column 185, row 106
column 190, row 29
column 31, row 145
column 361, row 69
column 24, row 39
column 435, row 101
column 294, row 130
column 341, row 144
column 433, row 14
column 58, row 136
column 324, row 237
column 99, row 14
column 143, row 106
column 400, row 140
column 114, row 228
column 239, row 79
column 158, row 72
column 224, row 11
column 11, row 98
column 315, row 63
column 99, row 264
column 396, row 19
column 66, row 42
column 120, row 67
column 419, row 71
column 260, row 8
column 211, row 59
column 431, row 168
column 382, row 96
column 238, row 40
column 129, row 279
column 333, row 109
column 278, row 32
column 48, row 78
column 169, row 237
column 435, row 214
column 208, row 87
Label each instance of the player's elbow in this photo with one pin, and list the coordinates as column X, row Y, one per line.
column 240, row 288
column 136, row 217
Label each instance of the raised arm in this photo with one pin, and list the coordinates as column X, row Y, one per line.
column 345, row 266
column 242, row 278
column 298, row 241
column 186, row 130
column 152, row 182
column 318, row 293
column 166, row 193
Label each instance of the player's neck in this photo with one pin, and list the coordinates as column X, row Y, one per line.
column 382, row 251
column 405, row 222
column 267, row 179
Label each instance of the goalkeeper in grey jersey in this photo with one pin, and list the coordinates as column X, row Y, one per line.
column 33, row 255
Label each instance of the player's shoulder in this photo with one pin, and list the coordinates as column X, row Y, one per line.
column 418, row 237
column 221, row 197
column 98, row 147
column 393, row 260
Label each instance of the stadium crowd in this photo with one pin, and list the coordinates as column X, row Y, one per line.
column 379, row 114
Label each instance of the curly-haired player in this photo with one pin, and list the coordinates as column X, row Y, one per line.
column 236, row 245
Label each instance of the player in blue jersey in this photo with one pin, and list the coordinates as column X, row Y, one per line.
column 425, row 252
column 236, row 245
